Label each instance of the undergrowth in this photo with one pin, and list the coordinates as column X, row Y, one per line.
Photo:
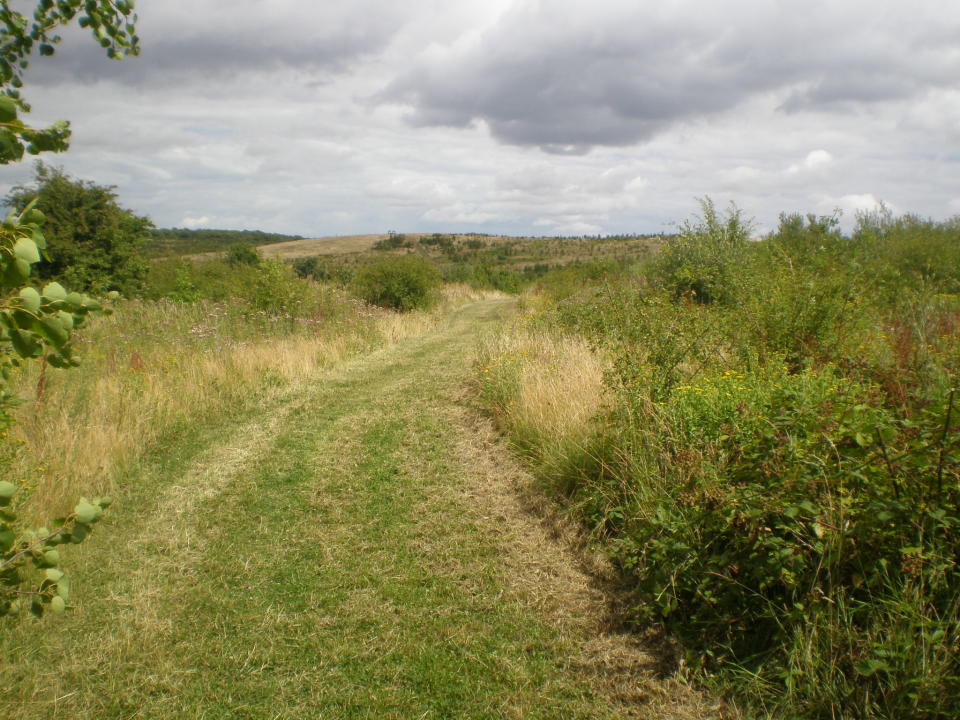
column 774, row 464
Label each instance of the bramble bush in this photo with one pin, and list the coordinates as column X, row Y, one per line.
column 777, row 473
column 703, row 261
column 401, row 283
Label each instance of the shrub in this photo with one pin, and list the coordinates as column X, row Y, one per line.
column 36, row 324
column 243, row 254
column 403, row 283
column 778, row 473
column 703, row 261
column 94, row 244
column 392, row 241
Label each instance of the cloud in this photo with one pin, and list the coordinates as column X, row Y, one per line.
column 195, row 222
column 567, row 76
column 511, row 116
column 815, row 159
column 186, row 41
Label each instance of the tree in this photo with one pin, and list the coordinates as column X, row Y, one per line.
column 92, row 243
column 112, row 23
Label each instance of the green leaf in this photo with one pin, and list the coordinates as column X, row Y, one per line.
column 39, row 239
column 7, row 538
column 66, row 320
column 21, row 268
column 79, row 533
column 63, row 587
column 871, row 667
column 57, row 361
column 52, row 331
column 54, row 291
column 75, row 300
column 34, row 216
column 26, row 249
column 24, row 343
column 8, row 109
column 86, row 512
column 30, row 299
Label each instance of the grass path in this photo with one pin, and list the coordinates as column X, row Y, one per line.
column 360, row 548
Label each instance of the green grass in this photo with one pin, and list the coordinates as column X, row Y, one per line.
column 318, row 558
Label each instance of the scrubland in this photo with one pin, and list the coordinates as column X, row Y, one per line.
column 763, row 437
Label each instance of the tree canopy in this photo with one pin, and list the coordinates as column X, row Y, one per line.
column 93, row 244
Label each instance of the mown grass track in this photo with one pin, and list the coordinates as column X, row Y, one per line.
column 352, row 550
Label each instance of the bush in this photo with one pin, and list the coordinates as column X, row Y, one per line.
column 403, row 283
column 703, row 261
column 778, row 471
column 243, row 254
column 94, row 244
column 392, row 241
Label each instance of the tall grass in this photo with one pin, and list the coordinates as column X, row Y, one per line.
column 546, row 389
column 154, row 367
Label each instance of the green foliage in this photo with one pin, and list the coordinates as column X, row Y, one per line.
column 39, row 323
column 908, row 251
column 35, row 323
column 323, row 269
column 702, row 262
column 268, row 289
column 94, row 244
column 31, row 577
column 242, row 254
column 402, row 283
column 446, row 242
column 181, row 241
column 110, row 22
column 392, row 241
column 778, row 473
column 485, row 276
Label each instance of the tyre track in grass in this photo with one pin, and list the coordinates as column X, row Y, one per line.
column 362, row 548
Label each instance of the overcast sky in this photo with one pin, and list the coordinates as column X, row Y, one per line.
column 512, row 116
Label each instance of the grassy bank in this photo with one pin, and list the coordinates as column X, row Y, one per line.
column 771, row 457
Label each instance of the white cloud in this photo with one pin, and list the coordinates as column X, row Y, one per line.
column 815, row 159
column 264, row 118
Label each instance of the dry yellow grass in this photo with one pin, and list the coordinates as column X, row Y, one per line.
column 546, row 389
column 89, row 424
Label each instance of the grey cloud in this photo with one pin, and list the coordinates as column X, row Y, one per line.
column 198, row 45
column 565, row 79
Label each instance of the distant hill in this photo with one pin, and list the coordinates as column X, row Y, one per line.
column 181, row 241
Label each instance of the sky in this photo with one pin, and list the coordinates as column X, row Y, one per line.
column 549, row 117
